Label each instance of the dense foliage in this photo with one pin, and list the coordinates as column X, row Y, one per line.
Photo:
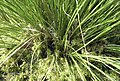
column 59, row 40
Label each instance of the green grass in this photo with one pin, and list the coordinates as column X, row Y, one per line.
column 59, row 40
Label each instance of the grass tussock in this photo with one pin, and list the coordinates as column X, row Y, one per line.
column 59, row 40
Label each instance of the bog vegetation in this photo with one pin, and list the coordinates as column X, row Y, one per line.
column 59, row 40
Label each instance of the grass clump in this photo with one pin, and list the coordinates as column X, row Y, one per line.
column 62, row 40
